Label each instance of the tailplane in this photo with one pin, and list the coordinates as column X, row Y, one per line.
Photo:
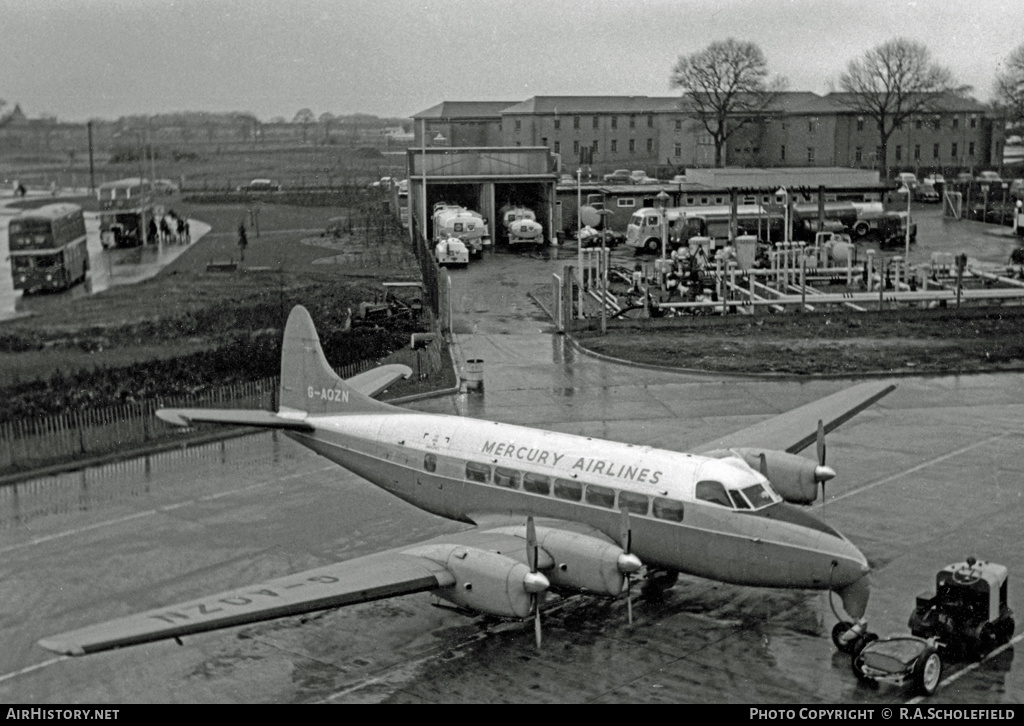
column 307, row 381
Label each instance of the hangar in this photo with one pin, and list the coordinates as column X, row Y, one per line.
column 483, row 179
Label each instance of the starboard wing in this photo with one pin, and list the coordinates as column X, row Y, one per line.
column 795, row 430
column 363, row 579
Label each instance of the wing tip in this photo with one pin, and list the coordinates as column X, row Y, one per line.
column 62, row 647
column 173, row 416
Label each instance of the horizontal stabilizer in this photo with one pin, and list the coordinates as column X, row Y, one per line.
column 236, row 417
column 372, row 382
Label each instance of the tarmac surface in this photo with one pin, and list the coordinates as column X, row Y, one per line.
column 926, row 477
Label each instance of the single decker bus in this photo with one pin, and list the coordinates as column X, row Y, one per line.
column 126, row 208
column 47, row 247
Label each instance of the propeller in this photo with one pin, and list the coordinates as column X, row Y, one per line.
column 535, row 583
column 628, row 562
column 822, row 473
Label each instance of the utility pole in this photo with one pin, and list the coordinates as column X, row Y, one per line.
column 92, row 168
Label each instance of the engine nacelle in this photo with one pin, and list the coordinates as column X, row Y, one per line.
column 485, row 582
column 792, row 476
column 582, row 562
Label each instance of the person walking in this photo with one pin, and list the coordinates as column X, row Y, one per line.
column 243, row 241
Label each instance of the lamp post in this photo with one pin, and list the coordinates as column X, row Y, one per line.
column 662, row 200
column 906, row 256
column 785, row 232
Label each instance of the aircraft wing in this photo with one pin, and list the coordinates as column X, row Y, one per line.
column 373, row 381
column 240, row 417
column 363, row 579
column 795, row 430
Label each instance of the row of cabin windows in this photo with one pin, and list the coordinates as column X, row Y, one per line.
column 573, row 491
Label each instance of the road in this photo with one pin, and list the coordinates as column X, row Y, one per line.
column 926, row 477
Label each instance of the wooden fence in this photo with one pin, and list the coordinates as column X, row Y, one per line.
column 34, row 443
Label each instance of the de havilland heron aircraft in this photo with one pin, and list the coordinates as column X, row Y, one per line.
column 553, row 511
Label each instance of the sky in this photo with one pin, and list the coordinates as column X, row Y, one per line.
column 81, row 59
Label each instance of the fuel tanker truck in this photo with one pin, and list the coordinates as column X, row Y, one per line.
column 522, row 225
column 452, row 220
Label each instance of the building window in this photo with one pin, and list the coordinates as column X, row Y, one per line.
column 860, row 123
column 650, row 122
column 810, row 154
column 615, row 145
column 575, row 122
column 899, row 153
column 935, row 151
column 615, row 122
column 632, row 145
column 626, row 202
column 810, row 126
column 858, row 154
column 974, row 122
column 678, row 150
column 519, row 124
column 917, row 152
column 558, row 123
column 575, row 148
column 970, row 149
column 632, row 122
column 956, row 122
column 917, row 124
column 953, row 149
column 593, row 146
column 650, row 145
column 679, row 124
column 594, row 122
column 558, row 147
column 937, row 123
column 782, row 152
column 543, row 140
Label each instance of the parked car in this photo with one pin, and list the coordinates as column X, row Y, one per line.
column 926, row 193
column 260, row 185
column 638, row 176
column 936, row 180
column 907, row 179
column 165, row 186
column 964, row 177
column 619, row 176
column 988, row 177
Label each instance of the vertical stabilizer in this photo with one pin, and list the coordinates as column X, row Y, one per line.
column 307, row 381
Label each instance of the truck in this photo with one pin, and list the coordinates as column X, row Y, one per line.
column 521, row 225
column 644, row 230
column 453, row 220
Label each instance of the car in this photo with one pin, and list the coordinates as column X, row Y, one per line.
column 964, row 177
column 988, row 177
column 907, row 179
column 679, row 179
column 926, row 193
column 934, row 179
column 1017, row 188
column 165, row 186
column 260, row 185
column 619, row 176
column 900, row 660
column 568, row 179
column 638, row 176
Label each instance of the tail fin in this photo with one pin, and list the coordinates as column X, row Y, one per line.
column 307, row 381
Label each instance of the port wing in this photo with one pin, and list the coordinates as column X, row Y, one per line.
column 795, row 430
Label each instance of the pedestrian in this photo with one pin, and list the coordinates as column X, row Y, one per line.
column 638, row 278
column 672, row 283
column 243, row 241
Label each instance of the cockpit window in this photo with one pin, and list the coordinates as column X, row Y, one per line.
column 758, row 496
column 714, row 492
column 738, row 499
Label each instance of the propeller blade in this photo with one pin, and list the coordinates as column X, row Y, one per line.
column 820, row 442
column 533, row 554
column 531, row 544
column 763, row 465
column 821, row 472
column 628, row 562
column 625, row 532
column 536, row 619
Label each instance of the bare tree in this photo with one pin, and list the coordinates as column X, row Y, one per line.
column 1009, row 86
column 891, row 83
column 726, row 86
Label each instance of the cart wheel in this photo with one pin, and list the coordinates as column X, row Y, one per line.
column 928, row 672
column 859, row 672
column 838, row 630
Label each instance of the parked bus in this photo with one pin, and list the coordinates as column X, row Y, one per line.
column 47, row 248
column 126, row 208
column 645, row 226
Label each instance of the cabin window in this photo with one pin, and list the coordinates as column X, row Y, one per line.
column 668, row 509
column 714, row 492
column 536, row 484
column 430, row 463
column 478, row 472
column 633, row 503
column 600, row 496
column 506, row 477
column 566, row 489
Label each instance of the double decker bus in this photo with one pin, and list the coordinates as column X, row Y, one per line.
column 47, row 247
column 126, row 209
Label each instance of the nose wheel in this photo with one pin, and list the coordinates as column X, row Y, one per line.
column 851, row 637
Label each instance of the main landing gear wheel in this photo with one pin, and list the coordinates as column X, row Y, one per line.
column 928, row 672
